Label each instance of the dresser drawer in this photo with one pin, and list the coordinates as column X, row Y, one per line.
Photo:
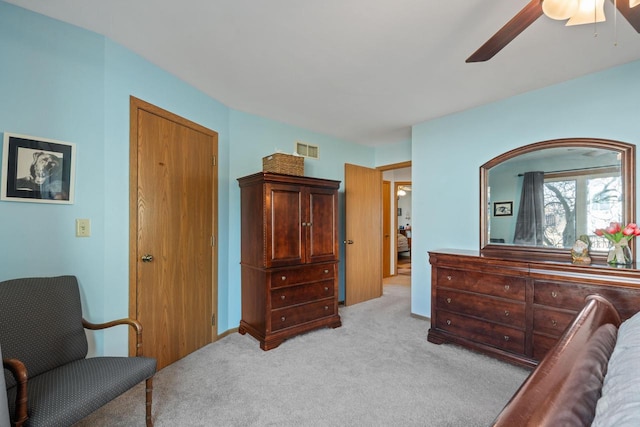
column 305, row 274
column 294, row 316
column 483, row 283
column 572, row 296
column 284, row 297
column 551, row 321
column 493, row 309
column 565, row 295
column 542, row 344
column 479, row 331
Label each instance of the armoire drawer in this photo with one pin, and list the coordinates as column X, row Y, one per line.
column 551, row 321
column 296, row 315
column 292, row 295
column 485, row 307
column 484, row 283
column 294, row 276
column 493, row 334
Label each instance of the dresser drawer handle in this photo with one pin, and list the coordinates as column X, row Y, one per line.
column 283, row 318
column 554, row 323
column 554, row 294
column 448, row 300
column 506, row 337
column 326, row 288
column 326, row 307
column 506, row 287
column 284, row 278
column 506, row 313
column 448, row 322
column 326, row 272
column 282, row 297
column 448, row 277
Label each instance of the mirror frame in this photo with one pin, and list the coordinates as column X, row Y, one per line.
column 627, row 171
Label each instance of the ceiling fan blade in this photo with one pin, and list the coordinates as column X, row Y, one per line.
column 631, row 14
column 510, row 31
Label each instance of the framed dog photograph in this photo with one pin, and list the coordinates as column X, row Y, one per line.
column 37, row 169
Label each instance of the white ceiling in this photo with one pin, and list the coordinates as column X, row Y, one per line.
column 360, row 70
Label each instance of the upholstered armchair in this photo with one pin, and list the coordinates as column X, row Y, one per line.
column 49, row 380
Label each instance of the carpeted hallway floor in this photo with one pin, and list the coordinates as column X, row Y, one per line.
column 404, row 265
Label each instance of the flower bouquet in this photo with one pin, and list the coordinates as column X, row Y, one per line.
column 619, row 253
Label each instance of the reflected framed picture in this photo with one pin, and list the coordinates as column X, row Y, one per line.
column 37, row 169
column 502, row 208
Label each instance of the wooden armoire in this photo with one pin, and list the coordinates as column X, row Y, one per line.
column 289, row 256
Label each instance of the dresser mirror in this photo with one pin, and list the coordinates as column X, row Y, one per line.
column 537, row 200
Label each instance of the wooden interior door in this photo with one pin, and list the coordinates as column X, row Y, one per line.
column 173, row 211
column 386, row 228
column 363, row 248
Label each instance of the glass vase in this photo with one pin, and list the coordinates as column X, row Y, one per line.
column 620, row 254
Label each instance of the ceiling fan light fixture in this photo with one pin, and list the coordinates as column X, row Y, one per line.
column 589, row 12
column 561, row 9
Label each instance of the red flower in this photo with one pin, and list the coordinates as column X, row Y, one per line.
column 615, row 232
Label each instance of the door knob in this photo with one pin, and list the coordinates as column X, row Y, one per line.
column 348, row 242
column 147, row 258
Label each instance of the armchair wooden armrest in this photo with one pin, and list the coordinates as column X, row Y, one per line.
column 137, row 326
column 19, row 372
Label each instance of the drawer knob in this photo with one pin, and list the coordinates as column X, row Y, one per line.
column 554, row 323
column 326, row 288
column 282, row 297
column 326, row 272
column 506, row 337
column 506, row 313
column 448, row 277
column 283, row 318
column 326, row 307
column 554, row 294
column 506, row 287
column 284, row 278
column 448, row 300
column 448, row 322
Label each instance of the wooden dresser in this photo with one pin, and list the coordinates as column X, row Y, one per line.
column 289, row 256
column 516, row 309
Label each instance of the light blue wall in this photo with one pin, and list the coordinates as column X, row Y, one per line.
column 260, row 137
column 446, row 194
column 48, row 82
column 65, row 83
column 390, row 154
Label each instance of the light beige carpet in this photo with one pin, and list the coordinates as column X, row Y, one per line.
column 376, row 370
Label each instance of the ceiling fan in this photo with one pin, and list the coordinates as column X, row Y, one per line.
column 630, row 9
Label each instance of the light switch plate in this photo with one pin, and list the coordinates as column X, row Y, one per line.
column 83, row 227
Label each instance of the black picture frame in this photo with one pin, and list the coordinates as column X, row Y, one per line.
column 39, row 170
column 502, row 208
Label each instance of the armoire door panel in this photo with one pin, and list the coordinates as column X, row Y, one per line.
column 321, row 226
column 285, row 243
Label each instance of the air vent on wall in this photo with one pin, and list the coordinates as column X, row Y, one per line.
column 307, row 150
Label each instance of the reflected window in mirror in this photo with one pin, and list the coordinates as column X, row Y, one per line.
column 580, row 203
column 559, row 191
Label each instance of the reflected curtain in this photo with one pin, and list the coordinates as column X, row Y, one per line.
column 530, row 221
